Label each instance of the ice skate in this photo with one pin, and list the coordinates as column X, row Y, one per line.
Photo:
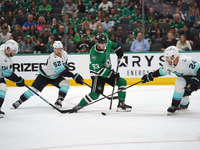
column 122, row 107
column 58, row 103
column 2, row 114
column 171, row 110
column 75, row 109
column 17, row 104
column 181, row 107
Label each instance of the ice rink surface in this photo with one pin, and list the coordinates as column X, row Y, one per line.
column 36, row 126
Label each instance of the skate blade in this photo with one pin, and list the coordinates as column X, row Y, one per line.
column 123, row 110
column 57, row 106
column 170, row 113
column 12, row 107
column 1, row 115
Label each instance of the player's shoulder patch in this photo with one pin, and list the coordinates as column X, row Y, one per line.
column 94, row 57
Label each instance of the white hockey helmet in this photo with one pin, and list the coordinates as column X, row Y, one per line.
column 12, row 45
column 171, row 51
column 57, row 44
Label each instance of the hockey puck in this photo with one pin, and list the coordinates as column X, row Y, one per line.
column 103, row 113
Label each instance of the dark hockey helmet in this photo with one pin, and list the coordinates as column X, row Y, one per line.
column 101, row 38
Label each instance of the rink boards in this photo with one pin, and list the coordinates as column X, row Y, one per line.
column 132, row 66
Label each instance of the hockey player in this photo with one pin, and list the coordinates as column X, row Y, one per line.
column 101, row 73
column 7, row 50
column 188, row 72
column 52, row 73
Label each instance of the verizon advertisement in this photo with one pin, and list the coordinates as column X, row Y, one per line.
column 132, row 65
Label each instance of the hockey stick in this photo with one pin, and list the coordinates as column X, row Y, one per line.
column 115, row 97
column 61, row 111
column 104, row 113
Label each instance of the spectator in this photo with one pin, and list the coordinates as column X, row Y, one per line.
column 93, row 23
column 114, row 17
column 39, row 47
column 197, row 42
column 138, row 29
column 193, row 19
column 75, row 20
column 169, row 41
column 45, row 36
column 120, row 36
column 83, row 46
column 100, row 29
column 189, row 36
column 127, row 12
column 113, row 39
column 158, row 37
column 195, row 7
column 153, row 28
column 50, row 44
column 33, row 32
column 10, row 19
column 21, row 19
column 58, row 35
column 24, row 3
column 85, row 25
column 137, row 16
column 181, row 15
column 174, row 31
column 130, row 38
column 44, row 26
column 140, row 45
column 8, row 7
column 80, row 7
column 165, row 16
column 6, row 24
column 2, row 21
column 44, row 7
column 100, row 16
column 107, row 24
column 4, row 36
column 177, row 23
column 18, row 32
column 72, row 36
column 27, row 24
column 105, row 6
column 183, row 10
column 119, row 6
column 40, row 21
column 28, row 45
column 92, row 6
column 151, row 16
column 19, row 41
column 70, row 46
column 53, row 25
column 48, row 17
column 87, row 17
column 183, row 44
column 32, row 6
column 89, row 36
column 70, row 7
column 35, row 15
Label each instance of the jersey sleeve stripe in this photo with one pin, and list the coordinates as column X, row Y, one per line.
column 196, row 69
column 161, row 72
column 60, row 70
column 8, row 73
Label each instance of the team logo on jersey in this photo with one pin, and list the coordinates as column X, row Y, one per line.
column 94, row 57
column 6, row 59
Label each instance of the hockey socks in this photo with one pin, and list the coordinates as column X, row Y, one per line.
column 2, row 97
column 63, row 91
column 88, row 99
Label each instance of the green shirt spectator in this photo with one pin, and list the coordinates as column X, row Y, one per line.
column 32, row 6
column 119, row 7
column 8, row 7
column 73, row 36
column 1, row 42
column 114, row 17
column 86, row 18
column 44, row 7
column 177, row 23
column 127, row 12
column 137, row 16
column 92, row 6
column 74, row 20
column 24, row 3
column 16, row 4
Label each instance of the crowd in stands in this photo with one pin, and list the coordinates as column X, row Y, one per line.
column 36, row 24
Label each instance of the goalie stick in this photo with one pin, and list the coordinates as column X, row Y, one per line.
column 61, row 111
column 69, row 110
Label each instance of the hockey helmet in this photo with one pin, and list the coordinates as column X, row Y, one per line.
column 57, row 44
column 101, row 38
column 12, row 45
column 171, row 51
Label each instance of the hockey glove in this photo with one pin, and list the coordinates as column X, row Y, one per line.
column 119, row 53
column 194, row 83
column 114, row 75
column 147, row 77
column 20, row 82
column 78, row 78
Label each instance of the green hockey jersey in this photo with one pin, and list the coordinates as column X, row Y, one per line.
column 100, row 62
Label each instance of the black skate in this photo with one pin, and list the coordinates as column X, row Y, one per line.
column 17, row 104
column 172, row 109
column 2, row 114
column 122, row 107
column 75, row 109
column 58, row 103
column 181, row 107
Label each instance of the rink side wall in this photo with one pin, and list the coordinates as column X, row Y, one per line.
column 132, row 66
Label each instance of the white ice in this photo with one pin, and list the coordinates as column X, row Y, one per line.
column 36, row 126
